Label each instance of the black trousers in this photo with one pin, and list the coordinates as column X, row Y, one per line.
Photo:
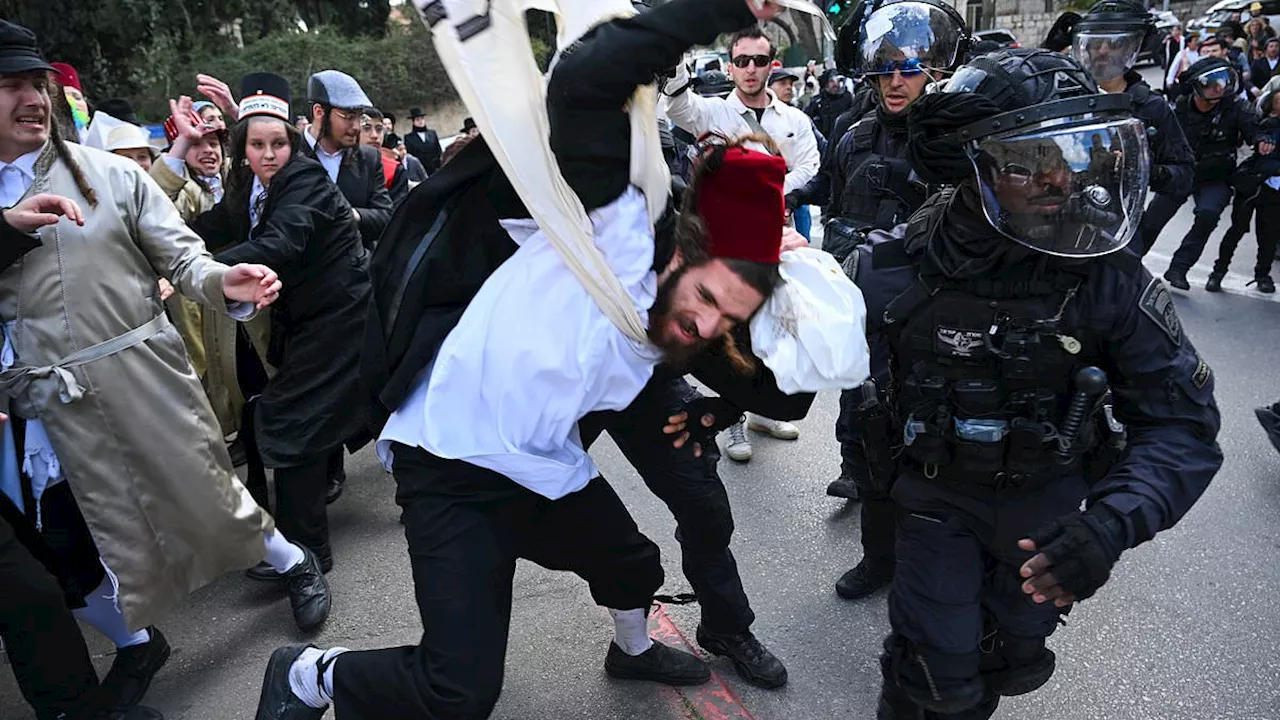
column 957, row 572
column 466, row 527
column 878, row 513
column 41, row 637
column 299, row 509
column 691, row 489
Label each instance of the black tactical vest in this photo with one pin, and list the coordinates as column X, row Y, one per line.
column 983, row 374
column 1214, row 137
column 880, row 190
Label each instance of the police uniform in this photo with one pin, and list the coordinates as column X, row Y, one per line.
column 1214, row 137
column 966, row 503
column 1173, row 163
column 1003, row 310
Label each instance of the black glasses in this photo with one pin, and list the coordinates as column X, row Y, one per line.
column 760, row 60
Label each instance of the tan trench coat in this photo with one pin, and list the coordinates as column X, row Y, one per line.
column 141, row 449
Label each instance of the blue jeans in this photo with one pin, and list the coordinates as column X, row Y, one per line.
column 803, row 220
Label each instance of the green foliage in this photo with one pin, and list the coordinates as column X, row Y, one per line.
column 396, row 71
column 150, row 50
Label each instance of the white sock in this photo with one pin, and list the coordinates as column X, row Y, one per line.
column 103, row 613
column 282, row 554
column 313, row 687
column 631, row 631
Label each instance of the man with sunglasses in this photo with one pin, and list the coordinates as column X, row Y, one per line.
column 751, row 109
column 1216, row 124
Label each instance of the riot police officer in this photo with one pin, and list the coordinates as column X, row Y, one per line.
column 1107, row 41
column 899, row 48
column 1216, row 124
column 1007, row 306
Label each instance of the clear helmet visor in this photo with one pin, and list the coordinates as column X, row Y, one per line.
column 1074, row 190
column 1215, row 84
column 1107, row 55
column 907, row 37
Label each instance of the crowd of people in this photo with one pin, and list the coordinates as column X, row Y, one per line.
column 277, row 290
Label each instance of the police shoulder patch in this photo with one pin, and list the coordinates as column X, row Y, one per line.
column 1156, row 303
column 1201, row 376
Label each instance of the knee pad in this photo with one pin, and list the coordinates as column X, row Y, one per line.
column 1013, row 665
column 935, row 681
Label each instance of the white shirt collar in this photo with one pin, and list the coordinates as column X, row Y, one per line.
column 739, row 107
column 26, row 163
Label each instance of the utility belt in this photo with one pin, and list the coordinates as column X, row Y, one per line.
column 972, row 432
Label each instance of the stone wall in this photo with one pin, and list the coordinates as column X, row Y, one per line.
column 1028, row 21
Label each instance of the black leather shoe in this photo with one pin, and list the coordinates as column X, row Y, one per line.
column 337, row 483
column 308, row 593
column 132, row 671
column 277, row 701
column 1177, row 279
column 659, row 663
column 1269, row 419
column 863, row 580
column 263, row 572
column 750, row 657
column 1265, row 284
column 1214, row 283
column 844, row 487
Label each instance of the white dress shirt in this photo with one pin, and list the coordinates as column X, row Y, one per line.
column 531, row 355
column 789, row 127
column 16, row 177
column 332, row 162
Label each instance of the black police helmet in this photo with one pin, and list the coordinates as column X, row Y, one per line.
column 1190, row 77
column 847, row 37
column 1018, row 78
column 1116, row 15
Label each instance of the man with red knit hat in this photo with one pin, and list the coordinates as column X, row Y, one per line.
column 487, row 445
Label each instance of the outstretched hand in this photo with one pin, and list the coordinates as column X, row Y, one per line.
column 764, row 9
column 40, row 210
column 217, row 91
column 257, row 284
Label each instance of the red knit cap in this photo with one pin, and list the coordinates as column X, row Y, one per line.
column 67, row 76
column 742, row 207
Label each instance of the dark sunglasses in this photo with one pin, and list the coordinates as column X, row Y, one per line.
column 760, row 60
column 908, row 67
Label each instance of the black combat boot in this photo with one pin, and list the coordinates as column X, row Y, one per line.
column 863, row 580
column 1177, row 278
column 1214, row 283
column 750, row 657
column 845, row 486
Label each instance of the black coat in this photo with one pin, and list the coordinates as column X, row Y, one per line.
column 306, row 234
column 827, row 107
column 427, row 151
column 363, row 184
column 1260, row 72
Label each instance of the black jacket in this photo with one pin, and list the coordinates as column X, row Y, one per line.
column 1260, row 72
column 1173, row 163
column 825, row 108
column 1216, row 135
column 445, row 240
column 306, row 234
column 427, row 151
column 363, row 184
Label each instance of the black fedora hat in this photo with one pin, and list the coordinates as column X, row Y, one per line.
column 18, row 50
column 416, row 112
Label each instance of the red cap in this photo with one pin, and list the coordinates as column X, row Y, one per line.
column 67, row 76
column 171, row 127
column 742, row 207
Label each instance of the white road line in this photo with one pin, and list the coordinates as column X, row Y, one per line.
column 1233, row 283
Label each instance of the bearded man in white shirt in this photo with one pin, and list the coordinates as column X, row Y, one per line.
column 751, row 108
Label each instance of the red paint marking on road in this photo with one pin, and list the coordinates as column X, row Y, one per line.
column 712, row 701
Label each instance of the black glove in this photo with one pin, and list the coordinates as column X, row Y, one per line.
column 1083, row 547
column 793, row 200
column 724, row 412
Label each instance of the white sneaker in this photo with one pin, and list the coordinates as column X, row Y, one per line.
column 778, row 428
column 738, row 446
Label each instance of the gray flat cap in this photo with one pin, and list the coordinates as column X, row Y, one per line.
column 337, row 89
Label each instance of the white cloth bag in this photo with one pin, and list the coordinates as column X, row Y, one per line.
column 811, row 332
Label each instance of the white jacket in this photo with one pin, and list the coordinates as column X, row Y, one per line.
column 790, row 128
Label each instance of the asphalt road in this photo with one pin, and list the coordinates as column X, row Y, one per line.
column 1186, row 629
